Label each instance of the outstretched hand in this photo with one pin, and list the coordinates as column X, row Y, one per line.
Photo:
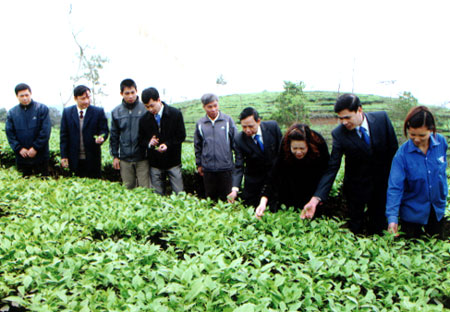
column 393, row 228
column 310, row 208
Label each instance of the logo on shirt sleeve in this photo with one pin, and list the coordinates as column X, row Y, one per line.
column 441, row 159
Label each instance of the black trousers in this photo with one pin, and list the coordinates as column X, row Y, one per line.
column 85, row 170
column 416, row 230
column 370, row 221
column 40, row 168
column 217, row 184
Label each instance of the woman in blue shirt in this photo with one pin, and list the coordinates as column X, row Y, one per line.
column 417, row 191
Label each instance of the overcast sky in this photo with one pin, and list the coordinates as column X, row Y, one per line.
column 181, row 47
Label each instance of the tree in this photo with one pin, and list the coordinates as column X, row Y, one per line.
column 55, row 116
column 220, row 81
column 89, row 66
column 400, row 109
column 89, row 69
column 3, row 114
column 290, row 105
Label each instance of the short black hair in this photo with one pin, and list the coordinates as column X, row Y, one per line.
column 80, row 90
column 247, row 112
column 347, row 101
column 149, row 94
column 209, row 98
column 127, row 83
column 21, row 87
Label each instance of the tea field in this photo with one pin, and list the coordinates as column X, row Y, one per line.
column 90, row 245
column 71, row 244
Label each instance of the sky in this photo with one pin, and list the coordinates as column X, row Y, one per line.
column 181, row 47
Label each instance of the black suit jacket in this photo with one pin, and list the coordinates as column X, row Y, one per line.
column 366, row 168
column 95, row 123
column 171, row 132
column 254, row 164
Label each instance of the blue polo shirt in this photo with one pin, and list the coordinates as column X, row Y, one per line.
column 418, row 182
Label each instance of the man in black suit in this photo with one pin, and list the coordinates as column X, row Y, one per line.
column 161, row 134
column 257, row 148
column 84, row 128
column 369, row 143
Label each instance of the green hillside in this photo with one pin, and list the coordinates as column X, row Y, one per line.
column 320, row 104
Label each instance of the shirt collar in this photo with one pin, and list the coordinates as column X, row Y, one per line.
column 84, row 110
column 215, row 119
column 259, row 132
column 161, row 110
column 413, row 148
column 365, row 124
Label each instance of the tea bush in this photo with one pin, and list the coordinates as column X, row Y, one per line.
column 91, row 245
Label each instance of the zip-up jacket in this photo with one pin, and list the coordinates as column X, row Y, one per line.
column 214, row 143
column 123, row 142
column 26, row 127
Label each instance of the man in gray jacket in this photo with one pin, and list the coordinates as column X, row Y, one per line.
column 214, row 145
column 129, row 157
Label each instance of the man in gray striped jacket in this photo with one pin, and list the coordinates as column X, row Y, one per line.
column 214, row 146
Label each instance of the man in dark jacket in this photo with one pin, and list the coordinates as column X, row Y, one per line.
column 28, row 130
column 161, row 133
column 84, row 128
column 369, row 143
column 257, row 145
column 129, row 156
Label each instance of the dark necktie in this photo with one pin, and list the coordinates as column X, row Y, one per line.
column 81, row 114
column 364, row 135
column 259, row 142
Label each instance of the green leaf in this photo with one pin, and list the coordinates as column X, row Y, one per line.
column 196, row 288
column 27, row 281
column 247, row 307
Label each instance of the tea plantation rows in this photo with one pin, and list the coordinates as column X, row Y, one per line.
column 90, row 245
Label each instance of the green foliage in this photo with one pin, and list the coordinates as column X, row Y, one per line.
column 55, row 116
column 220, row 80
column 290, row 106
column 320, row 107
column 90, row 245
column 3, row 114
column 398, row 111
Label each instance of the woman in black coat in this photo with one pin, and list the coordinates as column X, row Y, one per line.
column 302, row 161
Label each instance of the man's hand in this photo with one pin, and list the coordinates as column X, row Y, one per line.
column 154, row 141
column 310, row 208
column 200, row 170
column 162, row 148
column 261, row 208
column 393, row 228
column 32, row 152
column 116, row 163
column 100, row 140
column 23, row 152
column 232, row 196
column 64, row 162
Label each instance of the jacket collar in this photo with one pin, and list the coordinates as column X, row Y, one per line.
column 27, row 107
column 411, row 148
column 132, row 105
